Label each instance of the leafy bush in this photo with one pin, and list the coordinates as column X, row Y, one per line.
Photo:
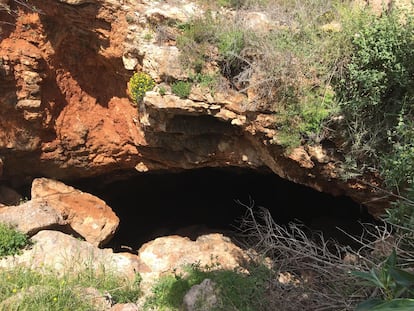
column 396, row 285
column 304, row 120
column 139, row 84
column 209, row 81
column 376, row 93
column 231, row 3
column 181, row 88
column 11, row 241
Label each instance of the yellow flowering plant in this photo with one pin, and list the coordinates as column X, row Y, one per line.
column 139, row 84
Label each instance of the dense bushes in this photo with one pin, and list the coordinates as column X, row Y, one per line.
column 376, row 94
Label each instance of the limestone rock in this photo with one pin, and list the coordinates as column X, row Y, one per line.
column 171, row 253
column 258, row 21
column 201, row 297
column 29, row 104
column 32, row 216
column 86, row 214
column 166, row 12
column 130, row 63
column 162, row 62
column 64, row 253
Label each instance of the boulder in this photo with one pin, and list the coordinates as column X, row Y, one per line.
column 64, row 253
column 201, row 297
column 32, row 216
column 171, row 253
column 87, row 215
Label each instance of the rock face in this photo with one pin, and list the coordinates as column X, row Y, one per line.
column 65, row 111
column 171, row 253
column 55, row 205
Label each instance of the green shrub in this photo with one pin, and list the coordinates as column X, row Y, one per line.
column 169, row 290
column 181, row 88
column 139, row 84
column 304, row 120
column 195, row 42
column 401, row 212
column 396, row 286
column 230, row 43
column 11, row 240
column 235, row 290
column 377, row 94
column 209, row 81
column 162, row 90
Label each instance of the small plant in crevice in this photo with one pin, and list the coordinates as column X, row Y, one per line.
column 12, row 241
column 181, row 88
column 139, row 84
column 162, row 90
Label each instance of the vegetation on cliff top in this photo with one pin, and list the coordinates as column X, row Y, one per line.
column 327, row 70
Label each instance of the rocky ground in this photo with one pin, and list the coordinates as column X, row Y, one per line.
column 70, row 228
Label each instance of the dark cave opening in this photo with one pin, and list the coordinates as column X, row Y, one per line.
column 200, row 201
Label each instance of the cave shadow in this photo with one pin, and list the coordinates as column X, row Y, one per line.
column 196, row 202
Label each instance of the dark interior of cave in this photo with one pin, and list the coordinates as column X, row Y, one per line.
column 200, row 201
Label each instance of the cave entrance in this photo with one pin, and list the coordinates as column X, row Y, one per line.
column 200, row 201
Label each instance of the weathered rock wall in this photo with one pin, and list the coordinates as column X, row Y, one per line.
column 65, row 111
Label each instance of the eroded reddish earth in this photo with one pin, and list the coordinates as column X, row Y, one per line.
column 65, row 112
